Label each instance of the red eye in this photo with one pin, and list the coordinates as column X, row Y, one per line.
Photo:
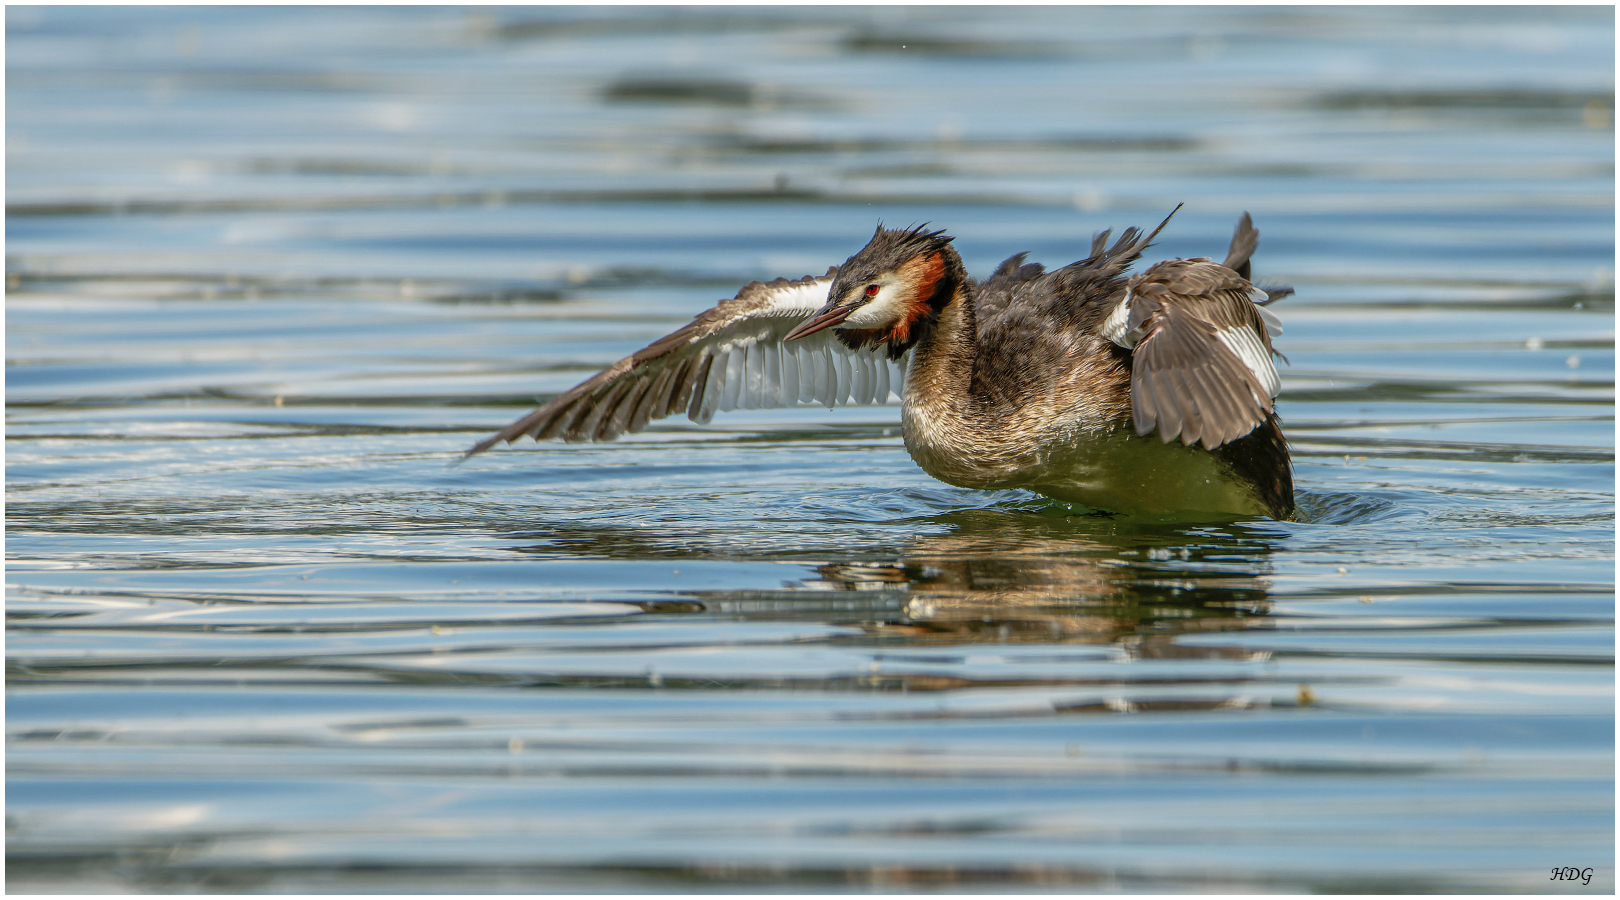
column 871, row 290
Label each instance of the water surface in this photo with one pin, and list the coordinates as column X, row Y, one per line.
column 270, row 270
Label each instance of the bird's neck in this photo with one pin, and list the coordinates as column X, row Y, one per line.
column 939, row 401
column 948, row 345
column 943, row 314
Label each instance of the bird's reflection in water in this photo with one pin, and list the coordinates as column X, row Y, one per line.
column 1015, row 576
column 993, row 574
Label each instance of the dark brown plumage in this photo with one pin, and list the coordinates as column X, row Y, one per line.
column 1053, row 381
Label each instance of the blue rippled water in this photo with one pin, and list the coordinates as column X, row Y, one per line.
column 269, row 270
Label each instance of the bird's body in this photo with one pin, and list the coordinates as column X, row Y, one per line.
column 1049, row 381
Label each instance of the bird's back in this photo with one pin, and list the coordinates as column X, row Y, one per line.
column 1041, row 353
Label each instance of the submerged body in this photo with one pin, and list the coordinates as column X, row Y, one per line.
column 1049, row 381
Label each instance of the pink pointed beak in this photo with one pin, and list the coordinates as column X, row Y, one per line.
column 818, row 322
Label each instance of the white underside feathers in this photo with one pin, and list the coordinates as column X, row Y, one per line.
column 760, row 373
column 796, row 299
column 1246, row 344
column 1273, row 324
column 1113, row 328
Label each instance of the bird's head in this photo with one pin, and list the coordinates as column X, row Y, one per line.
column 889, row 291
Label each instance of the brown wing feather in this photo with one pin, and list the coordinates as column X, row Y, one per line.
column 1245, row 238
column 1185, row 381
column 667, row 376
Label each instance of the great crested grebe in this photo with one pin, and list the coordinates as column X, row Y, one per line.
column 1050, row 381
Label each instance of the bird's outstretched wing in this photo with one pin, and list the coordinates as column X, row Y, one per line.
column 729, row 357
column 1201, row 366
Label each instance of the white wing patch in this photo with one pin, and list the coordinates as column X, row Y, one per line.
column 1246, row 344
column 1273, row 324
column 760, row 372
column 1113, row 328
column 798, row 300
column 753, row 369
